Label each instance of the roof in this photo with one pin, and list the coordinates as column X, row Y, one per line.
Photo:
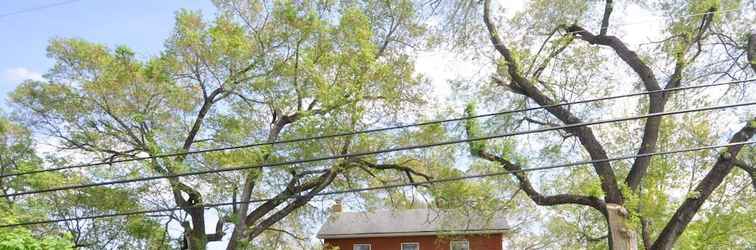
column 413, row 222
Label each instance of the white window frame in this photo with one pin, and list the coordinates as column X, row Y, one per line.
column 451, row 244
column 354, row 246
column 410, row 243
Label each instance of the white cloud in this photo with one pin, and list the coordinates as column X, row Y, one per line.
column 16, row 75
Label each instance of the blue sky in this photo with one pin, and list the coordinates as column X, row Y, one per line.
column 142, row 25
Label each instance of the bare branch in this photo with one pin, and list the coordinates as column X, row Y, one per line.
column 537, row 197
column 605, row 20
column 409, row 171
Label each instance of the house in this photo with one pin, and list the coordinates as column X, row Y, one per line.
column 415, row 229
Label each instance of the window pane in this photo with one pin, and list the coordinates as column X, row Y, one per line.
column 361, row 247
column 410, row 246
column 460, row 245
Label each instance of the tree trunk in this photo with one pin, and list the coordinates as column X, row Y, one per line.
column 621, row 237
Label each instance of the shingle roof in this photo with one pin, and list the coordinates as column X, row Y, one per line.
column 408, row 222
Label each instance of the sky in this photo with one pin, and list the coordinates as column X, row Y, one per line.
column 142, row 25
column 27, row 26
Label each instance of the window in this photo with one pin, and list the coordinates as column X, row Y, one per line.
column 460, row 245
column 411, row 246
column 361, row 247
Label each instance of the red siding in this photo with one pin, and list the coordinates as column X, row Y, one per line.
column 477, row 242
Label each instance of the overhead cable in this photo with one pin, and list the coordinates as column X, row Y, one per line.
column 391, row 186
column 382, row 151
column 202, row 151
column 37, row 8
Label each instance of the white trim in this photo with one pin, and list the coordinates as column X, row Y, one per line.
column 451, row 244
column 410, row 243
column 354, row 246
column 400, row 234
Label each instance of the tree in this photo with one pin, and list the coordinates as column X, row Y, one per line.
column 571, row 60
column 16, row 154
column 261, row 71
column 265, row 71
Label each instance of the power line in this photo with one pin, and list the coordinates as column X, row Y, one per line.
column 41, row 7
column 656, row 19
column 358, row 190
column 382, row 151
column 653, row 19
column 372, row 130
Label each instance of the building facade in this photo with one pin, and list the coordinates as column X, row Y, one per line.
column 427, row 242
column 417, row 229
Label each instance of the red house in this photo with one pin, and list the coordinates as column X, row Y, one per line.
column 416, row 229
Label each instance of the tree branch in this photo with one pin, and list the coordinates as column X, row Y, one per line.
column 551, row 56
column 196, row 236
column 218, row 235
column 537, row 197
column 703, row 190
column 317, row 185
column 646, row 233
column 657, row 102
column 628, row 56
column 749, row 169
column 584, row 134
column 605, row 20
column 409, row 171
column 290, row 234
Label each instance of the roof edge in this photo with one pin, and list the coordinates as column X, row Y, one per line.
column 416, row 233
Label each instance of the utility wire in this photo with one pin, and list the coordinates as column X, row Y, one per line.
column 656, row 19
column 748, row 81
column 357, row 190
column 41, row 7
column 382, row 151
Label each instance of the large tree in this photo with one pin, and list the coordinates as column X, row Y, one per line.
column 265, row 71
column 261, row 71
column 546, row 54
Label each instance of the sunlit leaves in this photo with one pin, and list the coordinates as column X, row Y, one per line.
column 22, row 239
column 327, row 66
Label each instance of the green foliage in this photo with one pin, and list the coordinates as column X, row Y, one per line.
column 473, row 131
column 721, row 230
column 542, row 16
column 22, row 239
column 17, row 155
column 466, row 196
column 327, row 66
column 592, row 188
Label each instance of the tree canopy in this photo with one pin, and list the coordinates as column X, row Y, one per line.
column 268, row 71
